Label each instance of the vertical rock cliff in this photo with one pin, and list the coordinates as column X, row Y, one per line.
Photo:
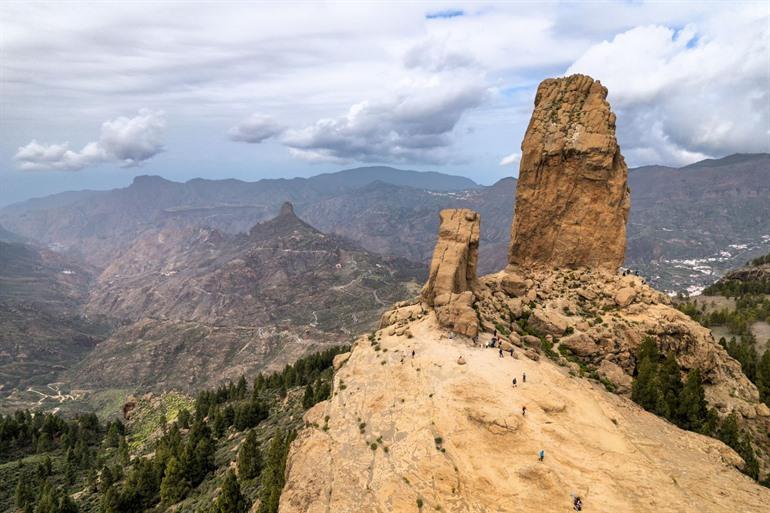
column 452, row 275
column 572, row 197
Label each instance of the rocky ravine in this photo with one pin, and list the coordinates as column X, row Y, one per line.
column 422, row 417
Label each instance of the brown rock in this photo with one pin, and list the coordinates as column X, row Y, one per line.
column 572, row 198
column 452, row 276
column 340, row 360
column 548, row 321
column 616, row 375
column 580, row 344
column 513, row 284
column 625, row 296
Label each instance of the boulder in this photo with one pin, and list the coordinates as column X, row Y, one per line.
column 572, row 197
column 580, row 344
column 532, row 341
column 513, row 284
column 625, row 296
column 615, row 374
column 548, row 321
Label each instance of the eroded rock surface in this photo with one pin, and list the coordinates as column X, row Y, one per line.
column 402, row 432
column 452, row 276
column 572, row 197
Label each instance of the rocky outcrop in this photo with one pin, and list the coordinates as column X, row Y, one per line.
column 596, row 322
column 452, row 276
column 572, row 197
column 443, row 431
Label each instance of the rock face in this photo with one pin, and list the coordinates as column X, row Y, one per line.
column 428, row 433
column 572, row 198
column 452, row 276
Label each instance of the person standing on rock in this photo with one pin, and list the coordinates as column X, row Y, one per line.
column 541, row 455
column 523, row 411
column 500, row 353
column 412, row 353
column 523, row 377
column 514, row 382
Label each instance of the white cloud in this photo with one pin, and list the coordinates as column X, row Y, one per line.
column 685, row 94
column 509, row 159
column 126, row 141
column 413, row 126
column 255, row 129
column 677, row 97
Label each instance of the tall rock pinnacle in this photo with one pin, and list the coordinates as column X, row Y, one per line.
column 452, row 275
column 572, row 198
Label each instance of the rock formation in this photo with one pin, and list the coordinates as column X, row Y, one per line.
column 405, row 435
column 572, row 198
column 452, row 275
column 420, row 421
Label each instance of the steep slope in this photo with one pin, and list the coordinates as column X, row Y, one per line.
column 428, row 433
column 42, row 330
column 200, row 305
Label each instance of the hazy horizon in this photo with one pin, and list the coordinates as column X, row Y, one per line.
column 105, row 92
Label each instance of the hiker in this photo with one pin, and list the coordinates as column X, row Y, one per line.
column 412, row 353
column 541, row 455
column 501, row 352
column 523, row 377
column 511, row 351
column 514, row 382
column 577, row 504
column 523, row 411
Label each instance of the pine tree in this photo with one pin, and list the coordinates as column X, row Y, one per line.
column 670, row 382
column 648, row 350
column 230, row 499
column 249, row 457
column 693, row 410
column 24, row 494
column 174, row 486
column 644, row 390
column 763, row 377
column 307, row 399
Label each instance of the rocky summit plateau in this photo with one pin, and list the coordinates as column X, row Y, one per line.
column 425, row 415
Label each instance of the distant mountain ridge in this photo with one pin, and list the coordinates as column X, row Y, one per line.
column 686, row 225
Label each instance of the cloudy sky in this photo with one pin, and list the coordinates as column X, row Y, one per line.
column 93, row 94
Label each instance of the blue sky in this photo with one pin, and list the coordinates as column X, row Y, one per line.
column 92, row 95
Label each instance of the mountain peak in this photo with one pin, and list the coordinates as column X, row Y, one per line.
column 287, row 209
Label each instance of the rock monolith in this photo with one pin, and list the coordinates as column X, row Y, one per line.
column 572, row 197
column 452, row 276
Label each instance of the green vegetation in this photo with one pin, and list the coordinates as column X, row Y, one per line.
column 177, row 453
column 658, row 388
column 750, row 308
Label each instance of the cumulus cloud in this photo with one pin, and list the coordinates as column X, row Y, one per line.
column 509, row 159
column 415, row 126
column 255, row 129
column 126, row 141
column 688, row 93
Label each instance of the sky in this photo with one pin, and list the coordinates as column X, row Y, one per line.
column 94, row 94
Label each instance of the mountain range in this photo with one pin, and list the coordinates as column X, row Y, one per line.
column 687, row 225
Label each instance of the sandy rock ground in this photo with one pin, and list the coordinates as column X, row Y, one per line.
column 425, row 433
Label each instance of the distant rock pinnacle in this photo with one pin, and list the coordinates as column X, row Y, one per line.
column 572, row 198
column 286, row 209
